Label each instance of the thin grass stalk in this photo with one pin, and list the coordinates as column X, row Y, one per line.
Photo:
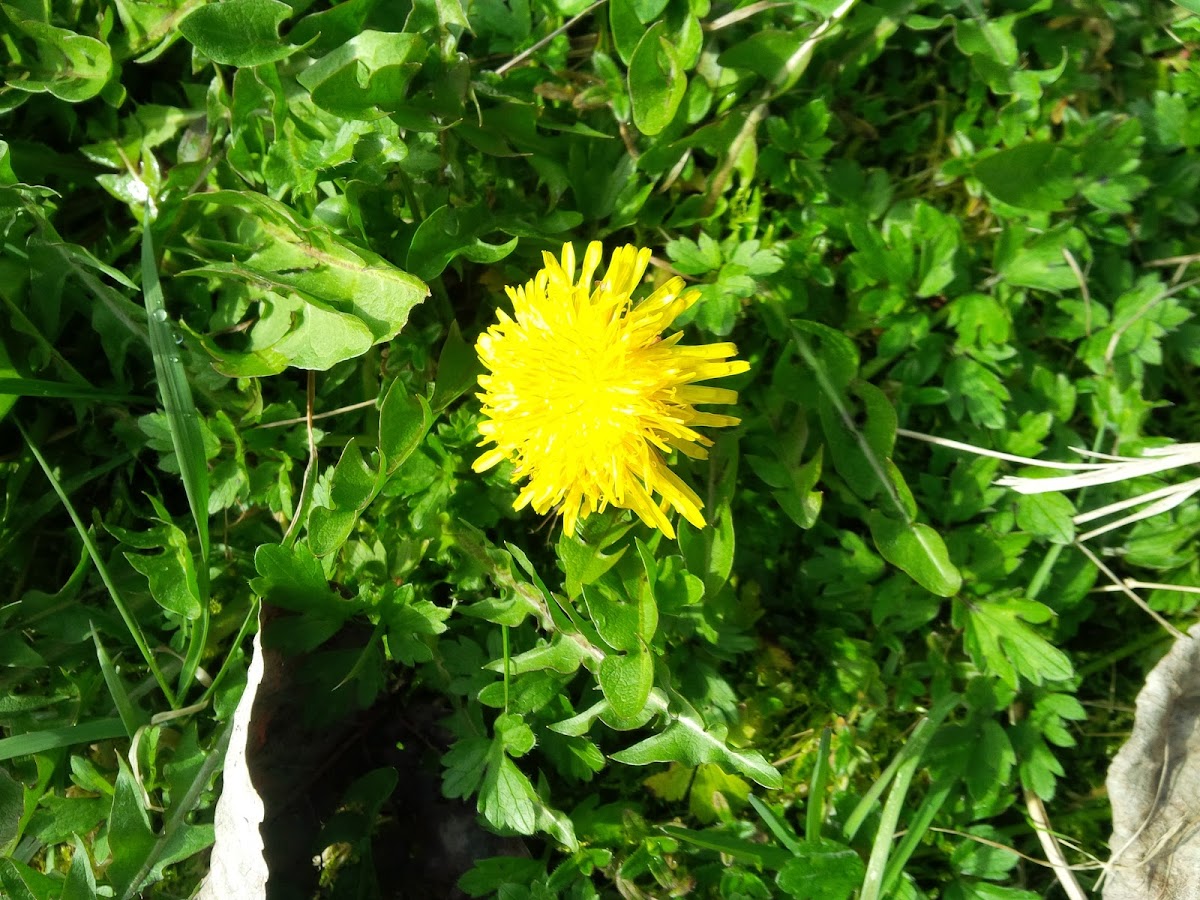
column 135, row 630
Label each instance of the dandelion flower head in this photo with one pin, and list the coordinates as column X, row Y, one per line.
column 586, row 397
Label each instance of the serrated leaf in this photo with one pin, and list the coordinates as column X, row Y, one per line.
column 1001, row 640
column 326, row 300
column 1049, row 515
column 506, row 798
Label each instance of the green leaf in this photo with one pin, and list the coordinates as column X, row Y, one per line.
column 174, row 388
column 72, row 67
column 172, row 578
column 140, row 854
column 366, row 76
column 697, row 257
column 404, row 420
column 81, row 879
column 1002, row 643
column 685, row 740
column 465, row 763
column 821, row 870
column 1050, row 515
column 916, row 549
column 718, row 841
column 325, row 300
column 626, row 680
column 239, row 32
column 458, row 370
column 583, row 557
column 448, row 234
column 506, row 798
column 12, row 808
column 21, row 882
column 131, row 715
column 351, row 489
column 54, row 738
column 563, row 654
column 291, row 578
column 1035, row 176
column 622, row 623
column 657, row 83
column 626, row 28
column 766, row 52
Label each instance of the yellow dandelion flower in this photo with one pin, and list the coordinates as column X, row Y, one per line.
column 585, row 396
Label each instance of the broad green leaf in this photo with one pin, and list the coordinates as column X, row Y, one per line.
column 506, row 798
column 351, row 489
column 129, row 832
column 625, row 26
column 1034, row 176
column 72, row 67
column 140, row 854
column 465, row 764
column 291, row 578
column 457, row 372
column 563, row 654
column 404, row 420
column 918, row 550
column 239, row 32
column 623, row 623
column 1050, row 516
column 367, row 76
column 766, row 52
column 448, row 234
column 584, row 560
column 821, row 870
column 303, row 273
column 859, row 451
column 685, row 740
column 21, row 882
column 656, row 81
column 172, row 578
column 626, row 680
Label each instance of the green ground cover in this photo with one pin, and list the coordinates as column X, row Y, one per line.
column 248, row 247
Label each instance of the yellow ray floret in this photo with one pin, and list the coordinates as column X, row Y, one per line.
column 585, row 396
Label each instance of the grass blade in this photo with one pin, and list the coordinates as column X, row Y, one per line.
column 131, row 716
column 176, row 394
column 910, row 760
column 915, row 745
column 183, row 420
column 55, row 738
column 815, row 814
column 135, row 630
